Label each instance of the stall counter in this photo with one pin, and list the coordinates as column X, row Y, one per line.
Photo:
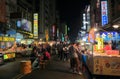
column 9, row 55
column 103, row 64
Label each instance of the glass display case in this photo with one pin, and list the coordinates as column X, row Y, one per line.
column 102, row 60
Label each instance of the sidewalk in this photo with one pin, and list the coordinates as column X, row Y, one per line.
column 55, row 70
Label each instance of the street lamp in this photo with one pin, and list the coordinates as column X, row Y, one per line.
column 115, row 26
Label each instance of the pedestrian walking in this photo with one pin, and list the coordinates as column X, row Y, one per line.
column 76, row 59
column 71, row 57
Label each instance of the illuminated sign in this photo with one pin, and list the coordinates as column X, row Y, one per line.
column 46, row 35
column 107, row 36
column 18, row 23
column 0, row 38
column 9, row 56
column 100, row 43
column 7, row 39
column 104, row 13
column 53, row 30
column 35, row 25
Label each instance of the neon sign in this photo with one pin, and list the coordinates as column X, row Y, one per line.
column 36, row 25
column 104, row 12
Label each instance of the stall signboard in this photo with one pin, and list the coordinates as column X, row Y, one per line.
column 104, row 12
column 7, row 39
column 0, row 38
column 9, row 56
column 100, row 43
column 107, row 66
column 108, row 36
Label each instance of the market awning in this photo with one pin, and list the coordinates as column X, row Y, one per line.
column 11, row 32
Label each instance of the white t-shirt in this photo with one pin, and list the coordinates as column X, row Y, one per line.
column 75, row 53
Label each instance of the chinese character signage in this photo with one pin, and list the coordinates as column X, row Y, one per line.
column 104, row 13
column 46, row 35
column 35, row 25
column 106, row 65
column 108, row 36
column 11, row 39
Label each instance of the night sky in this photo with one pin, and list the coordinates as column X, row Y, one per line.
column 70, row 12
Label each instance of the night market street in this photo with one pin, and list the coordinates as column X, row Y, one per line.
column 55, row 70
column 10, row 69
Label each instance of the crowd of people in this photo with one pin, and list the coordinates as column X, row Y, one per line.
column 64, row 52
column 39, row 53
column 71, row 51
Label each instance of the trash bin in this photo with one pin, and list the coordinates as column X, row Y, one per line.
column 26, row 66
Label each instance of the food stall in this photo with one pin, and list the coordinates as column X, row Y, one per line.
column 101, row 59
column 24, row 48
column 7, row 48
column 23, row 51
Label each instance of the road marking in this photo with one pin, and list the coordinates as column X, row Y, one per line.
column 18, row 76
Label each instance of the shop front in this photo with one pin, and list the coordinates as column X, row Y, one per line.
column 101, row 58
column 7, row 48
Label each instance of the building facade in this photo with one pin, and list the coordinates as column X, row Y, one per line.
column 105, row 13
column 47, row 17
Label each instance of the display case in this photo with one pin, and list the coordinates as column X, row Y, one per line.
column 103, row 61
column 7, row 48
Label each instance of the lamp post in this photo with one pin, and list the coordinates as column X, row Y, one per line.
column 115, row 26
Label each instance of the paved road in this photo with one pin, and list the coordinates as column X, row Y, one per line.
column 10, row 69
column 55, row 70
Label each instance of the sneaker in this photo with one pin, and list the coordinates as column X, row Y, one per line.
column 75, row 72
column 79, row 73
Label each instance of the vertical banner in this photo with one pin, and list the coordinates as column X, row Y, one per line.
column 91, row 36
column 2, row 11
column 104, row 12
column 57, row 32
column 35, row 24
column 66, row 29
column 46, row 35
column 53, row 30
column 100, row 44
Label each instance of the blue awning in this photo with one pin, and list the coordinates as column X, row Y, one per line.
column 11, row 32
